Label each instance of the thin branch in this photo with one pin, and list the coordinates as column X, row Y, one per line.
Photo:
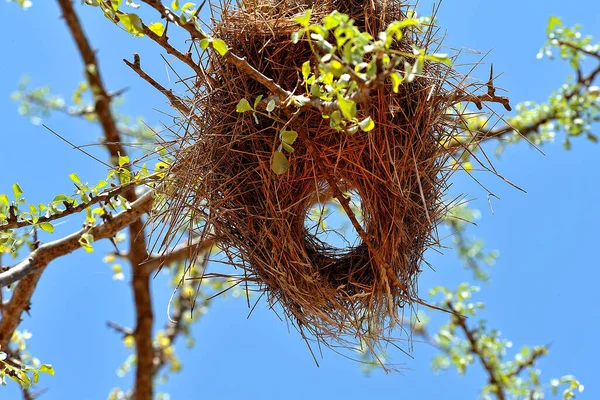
column 583, row 81
column 70, row 209
column 28, row 271
column 174, row 100
column 474, row 348
column 183, row 251
column 529, row 362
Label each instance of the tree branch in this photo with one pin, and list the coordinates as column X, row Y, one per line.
column 183, row 251
column 174, row 100
column 474, row 348
column 69, row 210
column 583, row 81
column 138, row 248
column 29, row 270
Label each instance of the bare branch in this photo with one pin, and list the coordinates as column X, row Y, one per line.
column 182, row 252
column 174, row 100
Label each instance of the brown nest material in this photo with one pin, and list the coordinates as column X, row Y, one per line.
column 223, row 175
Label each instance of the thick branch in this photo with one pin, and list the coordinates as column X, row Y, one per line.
column 138, row 247
column 102, row 105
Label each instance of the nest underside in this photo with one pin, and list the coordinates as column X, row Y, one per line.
column 223, row 175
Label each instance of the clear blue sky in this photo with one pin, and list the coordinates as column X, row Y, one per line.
column 544, row 288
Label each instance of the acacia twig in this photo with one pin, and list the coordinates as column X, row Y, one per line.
column 28, row 271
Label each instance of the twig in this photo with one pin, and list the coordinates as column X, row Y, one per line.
column 475, row 349
column 70, row 210
column 29, row 270
column 174, row 100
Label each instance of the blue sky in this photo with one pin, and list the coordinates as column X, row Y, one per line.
column 544, row 287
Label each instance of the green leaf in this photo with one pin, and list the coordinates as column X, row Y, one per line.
column 297, row 35
column 115, row 4
column 304, row 20
column 347, row 107
column 271, row 105
column 132, row 23
column 47, row 227
column 287, row 147
column 75, row 178
column 123, row 160
column 553, row 22
column 288, row 137
column 204, row 43
column 157, row 27
column 47, row 368
column 175, row 5
column 4, row 200
column 187, row 5
column 17, row 191
column 220, row 46
column 439, row 57
column 86, row 241
column 243, row 106
column 396, row 81
column 257, row 100
column 366, row 124
column 279, row 163
column 306, row 70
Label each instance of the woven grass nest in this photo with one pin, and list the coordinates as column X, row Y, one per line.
column 223, row 175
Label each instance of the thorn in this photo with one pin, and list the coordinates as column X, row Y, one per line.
column 136, row 60
column 490, row 84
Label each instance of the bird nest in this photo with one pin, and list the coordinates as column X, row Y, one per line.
column 222, row 174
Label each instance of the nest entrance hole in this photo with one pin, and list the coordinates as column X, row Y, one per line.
column 328, row 223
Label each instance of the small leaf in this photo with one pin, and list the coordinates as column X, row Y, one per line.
column 220, row 46
column 123, row 160
column 366, row 124
column 47, row 227
column 175, row 5
column 86, row 241
column 157, row 28
column 304, row 20
column 553, row 22
column 187, row 5
column 396, row 81
column 4, row 200
column 17, row 191
column 287, row 147
column 279, row 163
column 347, row 107
column 204, row 43
column 257, row 100
column 306, row 70
column 271, row 105
column 75, row 178
column 132, row 23
column 115, row 4
column 288, row 137
column 243, row 106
